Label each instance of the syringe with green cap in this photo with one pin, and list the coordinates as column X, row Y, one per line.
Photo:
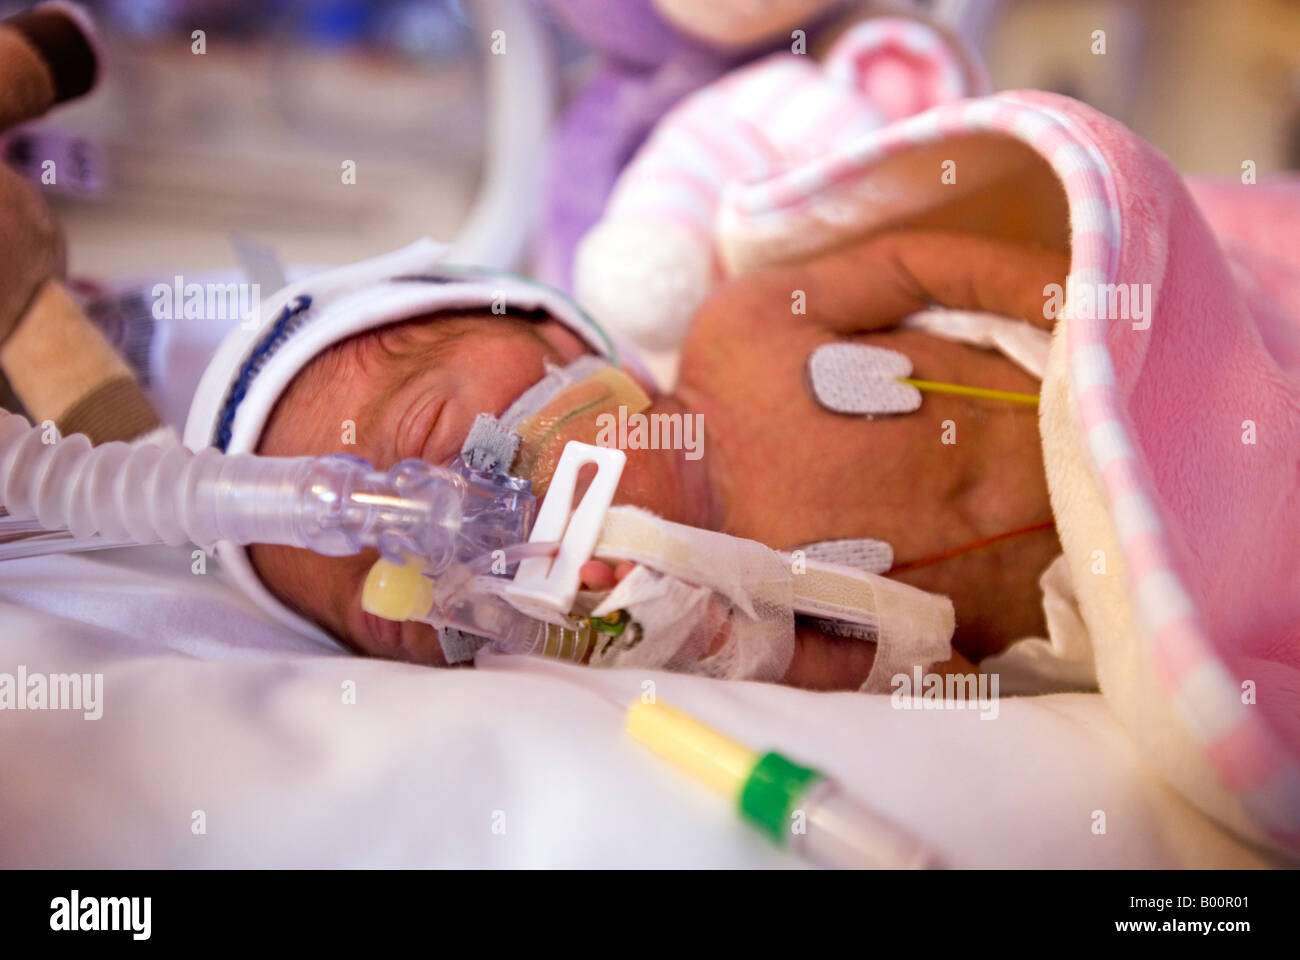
column 797, row 807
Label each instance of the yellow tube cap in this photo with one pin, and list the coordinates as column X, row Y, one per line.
column 396, row 592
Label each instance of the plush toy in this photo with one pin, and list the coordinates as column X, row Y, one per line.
column 651, row 53
column 59, row 365
column 651, row 260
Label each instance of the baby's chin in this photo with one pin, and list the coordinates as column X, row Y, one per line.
column 408, row 640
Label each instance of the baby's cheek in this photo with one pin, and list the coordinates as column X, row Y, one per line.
column 485, row 394
column 490, row 374
column 409, row 641
column 450, row 432
column 305, row 581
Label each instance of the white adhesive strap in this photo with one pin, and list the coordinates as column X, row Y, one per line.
column 910, row 620
column 692, row 565
column 860, row 379
column 909, row 626
column 704, row 581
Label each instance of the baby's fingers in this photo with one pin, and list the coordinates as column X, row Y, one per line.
column 596, row 575
column 599, row 575
column 874, row 283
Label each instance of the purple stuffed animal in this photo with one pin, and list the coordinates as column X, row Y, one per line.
column 646, row 65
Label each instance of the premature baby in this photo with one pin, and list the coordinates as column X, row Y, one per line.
column 969, row 518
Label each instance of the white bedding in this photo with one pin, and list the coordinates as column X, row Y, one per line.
column 207, row 706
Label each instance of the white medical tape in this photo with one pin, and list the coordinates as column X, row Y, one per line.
column 910, row 625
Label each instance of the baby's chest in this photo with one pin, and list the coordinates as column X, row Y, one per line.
column 789, row 471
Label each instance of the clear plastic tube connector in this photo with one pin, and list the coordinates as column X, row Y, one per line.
column 439, row 514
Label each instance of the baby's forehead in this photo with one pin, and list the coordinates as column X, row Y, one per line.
column 382, row 353
column 403, row 340
column 349, row 379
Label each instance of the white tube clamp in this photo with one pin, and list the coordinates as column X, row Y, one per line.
column 553, row 582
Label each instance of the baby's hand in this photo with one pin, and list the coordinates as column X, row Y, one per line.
column 599, row 575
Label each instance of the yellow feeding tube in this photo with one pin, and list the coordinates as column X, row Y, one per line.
column 693, row 748
column 961, row 390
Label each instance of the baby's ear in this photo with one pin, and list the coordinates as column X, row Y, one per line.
column 903, row 66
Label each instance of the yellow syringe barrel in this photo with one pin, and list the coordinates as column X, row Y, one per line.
column 689, row 745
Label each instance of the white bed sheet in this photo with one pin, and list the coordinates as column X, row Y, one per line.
column 208, row 706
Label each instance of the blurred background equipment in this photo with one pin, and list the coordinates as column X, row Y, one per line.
column 328, row 129
column 221, row 117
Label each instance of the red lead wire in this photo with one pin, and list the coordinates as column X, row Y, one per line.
column 967, row 548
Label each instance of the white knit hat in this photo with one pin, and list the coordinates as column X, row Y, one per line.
column 253, row 365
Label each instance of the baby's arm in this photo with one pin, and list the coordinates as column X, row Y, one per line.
column 821, row 661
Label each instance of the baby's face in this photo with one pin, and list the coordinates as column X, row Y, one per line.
column 408, row 390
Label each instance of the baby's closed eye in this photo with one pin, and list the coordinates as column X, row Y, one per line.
column 418, row 427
